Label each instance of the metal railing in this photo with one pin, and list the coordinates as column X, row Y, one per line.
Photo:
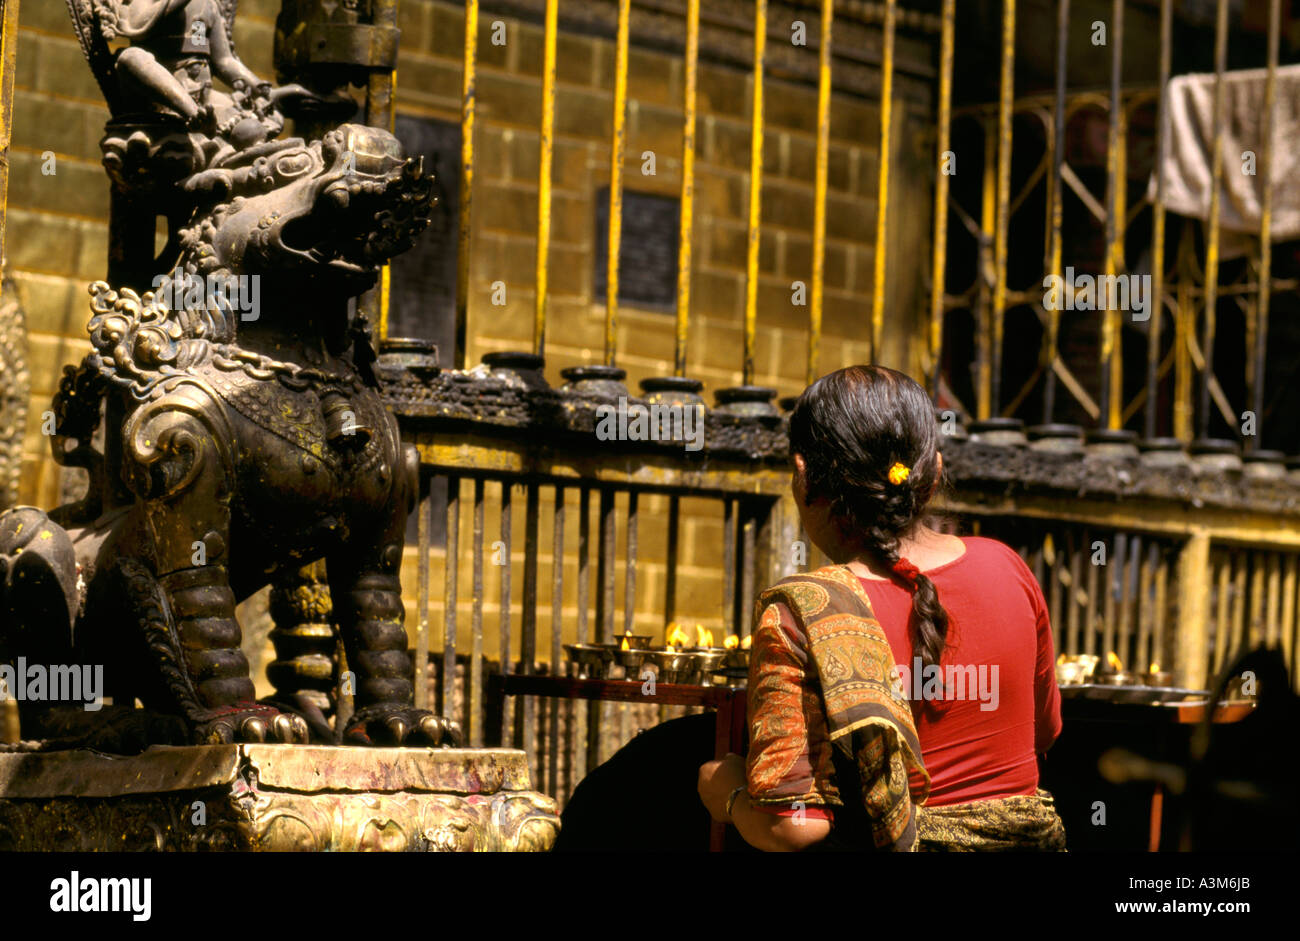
column 523, row 594
column 1175, row 589
column 1186, row 289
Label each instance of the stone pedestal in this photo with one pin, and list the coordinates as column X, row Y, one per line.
column 274, row 798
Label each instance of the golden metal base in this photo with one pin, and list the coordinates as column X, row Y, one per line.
column 274, row 798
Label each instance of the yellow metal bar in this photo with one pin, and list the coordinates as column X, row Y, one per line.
column 1005, row 102
column 1237, row 623
column 1288, row 608
column 385, row 292
column 1212, row 236
column 616, row 183
column 8, row 64
column 546, row 146
column 1266, row 213
column 1158, row 223
column 423, row 504
column 1191, row 653
column 939, row 258
column 1222, row 614
column 468, row 106
column 881, row 247
column 819, row 190
column 755, row 191
column 983, row 355
column 1112, row 403
column 684, row 237
column 1288, row 598
column 1184, row 325
column 1255, row 622
column 1272, row 613
column 1056, row 147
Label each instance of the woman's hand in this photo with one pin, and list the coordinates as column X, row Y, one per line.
column 717, row 780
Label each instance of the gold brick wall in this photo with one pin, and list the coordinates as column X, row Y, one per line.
column 58, row 237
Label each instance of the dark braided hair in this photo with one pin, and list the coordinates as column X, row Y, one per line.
column 851, row 427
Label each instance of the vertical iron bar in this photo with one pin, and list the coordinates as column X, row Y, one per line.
column 592, row 711
column 745, row 603
column 729, row 567
column 451, row 586
column 1288, row 608
column 1091, row 639
column 686, row 222
column 1076, row 572
column 984, row 291
column 1055, row 203
column 420, row 677
column 474, row 717
column 1184, row 331
column 8, row 62
column 1162, row 600
column 528, row 627
column 507, row 515
column 605, row 569
column 1111, row 402
column 1221, row 612
column 1055, row 612
column 1145, row 604
column 1114, row 565
column 629, row 602
column 670, row 577
column 557, row 630
column 881, row 248
column 819, row 190
column 1006, row 99
column 1237, row 635
column 1128, row 567
column 1158, row 224
column 1272, row 629
column 546, row 147
column 1265, row 219
column 1212, row 235
column 468, row 107
column 584, row 561
column 629, row 585
column 1255, row 632
column 597, row 716
column 939, row 258
column 617, row 147
column 755, row 191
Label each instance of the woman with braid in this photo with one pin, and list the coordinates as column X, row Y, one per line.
column 899, row 698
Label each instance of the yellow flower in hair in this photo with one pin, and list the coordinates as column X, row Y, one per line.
column 899, row 473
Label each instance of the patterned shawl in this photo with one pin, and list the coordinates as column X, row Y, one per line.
column 869, row 721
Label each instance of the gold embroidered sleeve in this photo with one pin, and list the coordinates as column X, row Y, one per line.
column 789, row 745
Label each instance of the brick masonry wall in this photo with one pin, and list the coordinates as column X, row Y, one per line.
column 58, row 237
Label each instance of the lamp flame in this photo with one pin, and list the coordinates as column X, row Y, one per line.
column 732, row 642
column 677, row 637
column 1113, row 659
column 703, row 636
